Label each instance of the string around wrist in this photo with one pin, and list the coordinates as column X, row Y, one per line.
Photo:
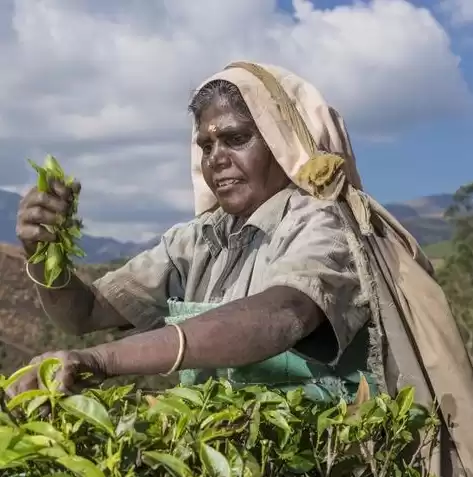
column 43, row 285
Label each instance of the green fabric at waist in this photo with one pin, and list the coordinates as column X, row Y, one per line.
column 287, row 370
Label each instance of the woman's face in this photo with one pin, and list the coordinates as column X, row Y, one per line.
column 237, row 164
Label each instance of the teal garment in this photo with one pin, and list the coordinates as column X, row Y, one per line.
column 288, row 370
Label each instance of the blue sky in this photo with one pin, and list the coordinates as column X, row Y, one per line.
column 433, row 157
column 104, row 86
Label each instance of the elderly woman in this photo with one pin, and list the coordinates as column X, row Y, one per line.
column 289, row 275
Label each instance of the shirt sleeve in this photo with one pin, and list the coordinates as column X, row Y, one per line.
column 314, row 256
column 140, row 289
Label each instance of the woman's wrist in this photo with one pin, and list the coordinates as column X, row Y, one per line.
column 99, row 359
column 138, row 354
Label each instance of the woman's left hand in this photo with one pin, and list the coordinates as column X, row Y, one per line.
column 74, row 364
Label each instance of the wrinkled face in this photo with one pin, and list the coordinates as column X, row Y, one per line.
column 237, row 164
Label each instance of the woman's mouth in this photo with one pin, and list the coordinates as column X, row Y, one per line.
column 226, row 184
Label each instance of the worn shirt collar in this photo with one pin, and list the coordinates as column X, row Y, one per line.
column 221, row 230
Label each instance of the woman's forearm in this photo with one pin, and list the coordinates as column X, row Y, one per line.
column 241, row 332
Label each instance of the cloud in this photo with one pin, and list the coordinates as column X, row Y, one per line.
column 460, row 11
column 105, row 86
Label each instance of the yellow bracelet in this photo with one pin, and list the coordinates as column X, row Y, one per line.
column 180, row 354
column 33, row 279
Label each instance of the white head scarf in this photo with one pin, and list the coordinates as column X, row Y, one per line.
column 299, row 127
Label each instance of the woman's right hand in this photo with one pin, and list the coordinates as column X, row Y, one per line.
column 38, row 209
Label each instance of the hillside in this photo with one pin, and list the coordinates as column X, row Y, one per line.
column 24, row 331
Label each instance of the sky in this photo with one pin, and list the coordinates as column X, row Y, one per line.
column 104, row 86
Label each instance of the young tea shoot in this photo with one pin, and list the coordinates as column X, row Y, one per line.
column 56, row 256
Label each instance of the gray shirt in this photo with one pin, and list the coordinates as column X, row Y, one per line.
column 293, row 240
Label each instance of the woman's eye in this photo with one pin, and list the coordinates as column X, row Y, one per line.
column 238, row 139
column 207, row 149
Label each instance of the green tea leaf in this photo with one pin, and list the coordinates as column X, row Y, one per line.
column 294, row 397
column 171, row 463
column 252, row 467
column 53, row 167
column 235, row 460
column 80, row 466
column 42, row 182
column 28, row 443
column 35, row 166
column 40, row 254
column 6, row 436
column 5, row 419
column 44, row 428
column 302, row 463
column 77, row 251
column 169, row 406
column 404, row 400
column 418, row 416
column 327, row 419
column 227, row 415
column 255, row 421
column 74, row 232
column 36, row 403
column 278, row 420
column 54, row 452
column 376, row 417
column 126, row 424
column 268, row 397
column 214, row 462
column 88, row 409
column 20, row 399
column 188, row 394
column 17, row 375
column 46, row 372
column 181, row 426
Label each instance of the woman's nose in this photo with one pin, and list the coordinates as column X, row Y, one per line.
column 219, row 158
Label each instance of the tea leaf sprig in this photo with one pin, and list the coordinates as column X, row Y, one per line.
column 57, row 255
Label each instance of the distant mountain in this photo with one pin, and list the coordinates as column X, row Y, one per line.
column 423, row 217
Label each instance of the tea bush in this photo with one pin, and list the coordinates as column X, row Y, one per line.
column 209, row 430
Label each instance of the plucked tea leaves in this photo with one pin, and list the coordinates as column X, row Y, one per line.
column 56, row 256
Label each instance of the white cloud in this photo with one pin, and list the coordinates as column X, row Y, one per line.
column 460, row 11
column 105, row 85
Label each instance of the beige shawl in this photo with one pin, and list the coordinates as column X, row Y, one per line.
column 309, row 140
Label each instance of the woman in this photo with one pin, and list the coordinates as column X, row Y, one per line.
column 288, row 275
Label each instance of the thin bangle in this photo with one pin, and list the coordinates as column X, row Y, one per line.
column 59, row 287
column 180, row 354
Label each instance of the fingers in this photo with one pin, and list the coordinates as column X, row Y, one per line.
column 64, row 192
column 47, row 201
column 38, row 209
column 34, row 234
